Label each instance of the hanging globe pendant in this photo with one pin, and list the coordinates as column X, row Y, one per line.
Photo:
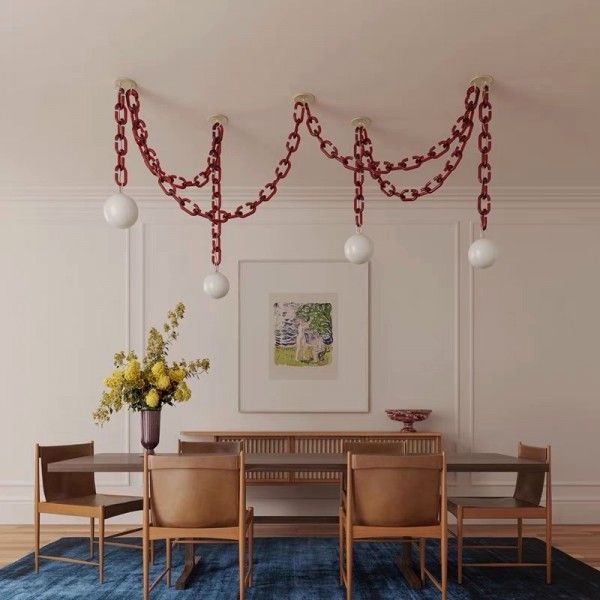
column 120, row 210
column 358, row 248
column 216, row 285
column 483, row 253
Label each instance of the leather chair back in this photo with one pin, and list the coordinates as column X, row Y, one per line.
column 200, row 490
column 530, row 486
column 396, row 491
column 60, row 486
column 209, row 447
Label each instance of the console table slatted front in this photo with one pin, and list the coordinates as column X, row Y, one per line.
column 313, row 442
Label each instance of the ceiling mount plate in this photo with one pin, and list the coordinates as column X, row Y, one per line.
column 218, row 119
column 482, row 80
column 126, row 84
column 305, row 97
column 361, row 122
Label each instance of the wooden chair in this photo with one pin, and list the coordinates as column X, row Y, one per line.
column 74, row 494
column 196, row 497
column 209, row 447
column 524, row 504
column 394, row 496
column 391, row 447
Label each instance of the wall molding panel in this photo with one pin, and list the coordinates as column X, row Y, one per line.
column 484, row 350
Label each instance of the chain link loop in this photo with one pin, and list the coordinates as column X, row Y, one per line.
column 484, row 170
column 360, row 134
column 121, row 175
column 281, row 170
column 170, row 184
column 461, row 128
column 460, row 136
column 215, row 211
column 327, row 147
column 360, row 162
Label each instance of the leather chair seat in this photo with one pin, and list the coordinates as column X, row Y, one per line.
column 487, row 502
column 113, row 504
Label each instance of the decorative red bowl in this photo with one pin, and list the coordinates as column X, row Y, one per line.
column 408, row 416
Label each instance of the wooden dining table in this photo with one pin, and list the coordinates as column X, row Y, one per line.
column 326, row 463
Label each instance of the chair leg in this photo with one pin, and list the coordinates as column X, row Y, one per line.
column 459, row 544
column 36, row 527
column 101, row 548
column 145, row 567
column 520, row 540
column 422, row 559
column 250, row 554
column 91, row 538
column 548, row 549
column 168, row 549
column 341, row 545
column 242, row 561
column 348, row 563
column 444, row 565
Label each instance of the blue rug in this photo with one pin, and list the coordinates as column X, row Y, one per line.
column 296, row 569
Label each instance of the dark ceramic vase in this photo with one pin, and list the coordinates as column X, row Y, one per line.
column 150, row 429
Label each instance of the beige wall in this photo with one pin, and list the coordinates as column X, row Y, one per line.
column 501, row 355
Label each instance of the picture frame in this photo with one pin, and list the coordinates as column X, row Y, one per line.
column 303, row 336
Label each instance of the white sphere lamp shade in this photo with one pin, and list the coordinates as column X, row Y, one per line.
column 358, row 248
column 120, row 210
column 483, row 253
column 216, row 285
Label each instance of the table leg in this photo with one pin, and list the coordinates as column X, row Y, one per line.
column 188, row 567
column 404, row 563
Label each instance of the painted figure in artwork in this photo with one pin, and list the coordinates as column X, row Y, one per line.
column 309, row 344
column 303, row 334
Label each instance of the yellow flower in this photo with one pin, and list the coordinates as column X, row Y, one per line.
column 132, row 370
column 158, row 369
column 163, row 382
column 114, row 380
column 177, row 374
column 183, row 392
column 152, row 399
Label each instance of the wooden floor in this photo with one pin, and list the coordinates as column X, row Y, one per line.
column 581, row 541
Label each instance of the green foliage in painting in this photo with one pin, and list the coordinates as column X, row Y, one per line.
column 318, row 315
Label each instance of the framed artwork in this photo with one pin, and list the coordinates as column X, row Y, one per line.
column 303, row 336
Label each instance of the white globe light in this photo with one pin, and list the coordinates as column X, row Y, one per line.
column 483, row 253
column 120, row 210
column 358, row 248
column 216, row 285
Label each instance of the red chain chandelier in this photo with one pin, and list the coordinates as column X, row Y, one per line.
column 121, row 211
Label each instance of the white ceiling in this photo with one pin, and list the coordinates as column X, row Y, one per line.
column 404, row 63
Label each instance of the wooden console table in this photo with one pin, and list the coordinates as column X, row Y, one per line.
column 312, row 442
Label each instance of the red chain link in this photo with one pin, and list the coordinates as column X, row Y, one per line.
column 359, row 162
column 360, row 134
column 436, row 182
column 461, row 128
column 168, row 183
column 215, row 212
column 281, row 170
column 120, row 139
column 484, row 171
column 327, row 146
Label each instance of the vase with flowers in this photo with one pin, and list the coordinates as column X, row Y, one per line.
column 147, row 385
